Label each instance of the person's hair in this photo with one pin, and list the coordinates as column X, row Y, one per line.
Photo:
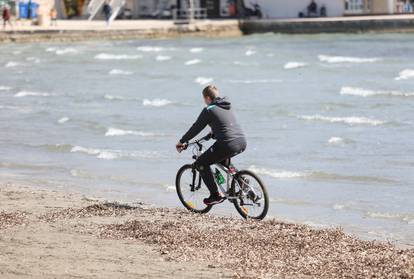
column 211, row 91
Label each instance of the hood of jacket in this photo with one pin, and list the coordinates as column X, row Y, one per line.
column 224, row 103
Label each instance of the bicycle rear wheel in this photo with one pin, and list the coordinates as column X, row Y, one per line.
column 252, row 200
column 191, row 190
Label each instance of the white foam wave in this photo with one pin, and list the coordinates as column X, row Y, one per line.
column 405, row 74
column 355, row 91
column 107, row 56
column 294, row 65
column 154, row 49
column 112, row 97
column 107, row 154
column 50, row 49
column 12, row 64
column 22, row 94
column 196, row 49
column 5, row 88
column 250, row 81
column 203, row 80
column 63, row 120
column 345, row 59
column 162, row 58
column 281, row 174
column 33, row 59
column 169, row 188
column 250, row 52
column 336, row 141
column 353, row 120
column 156, row 102
column 113, row 132
column 68, row 50
column 192, row 62
column 119, row 72
column 402, row 217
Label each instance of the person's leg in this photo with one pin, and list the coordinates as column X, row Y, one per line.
column 211, row 156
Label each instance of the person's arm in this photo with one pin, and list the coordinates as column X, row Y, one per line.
column 197, row 127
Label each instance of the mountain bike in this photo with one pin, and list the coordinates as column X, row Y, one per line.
column 243, row 188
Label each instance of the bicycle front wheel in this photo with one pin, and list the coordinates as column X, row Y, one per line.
column 252, row 200
column 191, row 190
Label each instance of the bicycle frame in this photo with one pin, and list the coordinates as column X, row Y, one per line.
column 197, row 151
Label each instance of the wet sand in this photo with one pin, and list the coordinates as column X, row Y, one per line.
column 47, row 234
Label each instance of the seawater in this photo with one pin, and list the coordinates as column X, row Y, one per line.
column 329, row 121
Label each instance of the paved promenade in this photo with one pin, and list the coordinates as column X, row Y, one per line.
column 77, row 30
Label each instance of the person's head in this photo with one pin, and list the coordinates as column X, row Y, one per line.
column 210, row 93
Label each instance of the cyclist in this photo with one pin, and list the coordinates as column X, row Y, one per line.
column 230, row 139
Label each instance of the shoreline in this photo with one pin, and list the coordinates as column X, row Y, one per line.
column 75, row 31
column 83, row 30
column 45, row 234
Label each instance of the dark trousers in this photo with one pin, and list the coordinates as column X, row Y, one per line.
column 219, row 152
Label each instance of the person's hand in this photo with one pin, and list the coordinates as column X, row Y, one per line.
column 180, row 147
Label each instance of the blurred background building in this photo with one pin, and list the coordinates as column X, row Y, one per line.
column 212, row 9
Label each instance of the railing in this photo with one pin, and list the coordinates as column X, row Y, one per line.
column 116, row 6
column 189, row 14
column 93, row 7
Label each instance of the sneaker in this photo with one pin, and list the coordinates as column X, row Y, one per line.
column 214, row 199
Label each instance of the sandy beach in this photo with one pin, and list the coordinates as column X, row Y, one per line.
column 46, row 234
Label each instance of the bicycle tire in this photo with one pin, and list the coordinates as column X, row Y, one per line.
column 242, row 211
column 180, row 195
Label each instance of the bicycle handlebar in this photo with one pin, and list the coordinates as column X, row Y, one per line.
column 198, row 141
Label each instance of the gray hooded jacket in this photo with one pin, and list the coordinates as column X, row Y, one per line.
column 219, row 116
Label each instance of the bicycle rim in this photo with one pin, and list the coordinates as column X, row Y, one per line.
column 252, row 199
column 191, row 197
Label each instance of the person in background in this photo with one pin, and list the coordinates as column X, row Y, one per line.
column 312, row 9
column 408, row 7
column 53, row 17
column 6, row 16
column 323, row 12
column 107, row 10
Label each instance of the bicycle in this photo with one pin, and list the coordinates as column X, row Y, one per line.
column 242, row 188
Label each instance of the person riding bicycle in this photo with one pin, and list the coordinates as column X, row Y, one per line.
column 230, row 139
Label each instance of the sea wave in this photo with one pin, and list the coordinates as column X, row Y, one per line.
column 405, row 74
column 192, row 62
column 63, row 120
column 250, row 52
column 294, row 65
column 107, row 56
column 336, row 141
column 68, row 50
column 112, row 97
column 345, row 59
column 251, row 81
column 33, row 59
column 22, row 94
column 156, row 102
column 112, row 132
column 196, row 49
column 163, row 58
column 119, row 72
column 12, row 64
column 5, row 88
column 154, row 48
column 352, row 120
column 402, row 217
column 281, row 174
column 203, row 80
column 356, row 91
column 169, row 188
column 109, row 154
